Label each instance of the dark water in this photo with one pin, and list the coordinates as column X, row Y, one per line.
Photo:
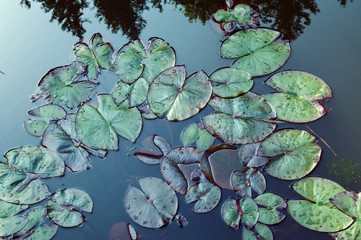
column 326, row 41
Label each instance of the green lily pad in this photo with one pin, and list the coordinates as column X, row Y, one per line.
column 36, row 160
column 20, row 188
column 173, row 96
column 136, row 93
column 260, row 50
column 242, row 14
column 300, row 95
column 271, row 203
column 9, row 223
column 193, row 133
column 295, row 153
column 260, row 231
column 62, row 86
column 10, row 209
column 43, row 232
column 240, row 120
column 318, row 213
column 35, row 217
column 230, row 82
column 134, row 60
column 234, row 212
column 249, row 157
column 206, row 194
column 98, row 127
column 97, row 57
column 245, row 181
column 154, row 206
column 65, row 205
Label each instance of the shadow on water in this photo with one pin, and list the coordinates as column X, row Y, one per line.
column 288, row 16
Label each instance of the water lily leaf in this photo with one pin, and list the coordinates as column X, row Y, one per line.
column 234, row 212
column 36, row 126
column 242, row 14
column 62, row 86
column 10, row 209
column 193, row 133
column 272, row 203
column 230, row 82
column 36, row 160
column 98, row 127
column 192, row 173
column 248, row 155
column 244, row 181
column 295, row 153
column 300, row 93
column 240, row 120
column 136, row 93
column 318, row 213
column 43, row 232
column 20, row 188
column 134, row 58
column 65, row 205
column 260, row 232
column 154, row 206
column 152, row 150
column 123, row 231
column 97, row 57
column 11, row 225
column 206, row 194
column 35, row 217
column 146, row 112
column 173, row 96
column 259, row 52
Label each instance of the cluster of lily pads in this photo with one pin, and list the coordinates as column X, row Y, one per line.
column 74, row 124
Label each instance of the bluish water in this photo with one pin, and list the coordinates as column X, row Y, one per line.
column 329, row 47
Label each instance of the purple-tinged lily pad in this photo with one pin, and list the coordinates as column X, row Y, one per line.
column 146, row 112
column 260, row 232
column 269, row 214
column 152, row 150
column 192, row 173
column 206, row 194
column 122, row 231
column 245, row 181
column 248, row 155
column 154, row 206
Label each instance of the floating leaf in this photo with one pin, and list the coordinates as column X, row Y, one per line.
column 173, row 96
column 244, row 181
column 300, row 93
column 260, row 232
column 146, row 112
column 10, row 209
column 43, row 232
column 152, row 150
column 240, row 120
column 206, row 194
column 61, row 86
column 98, row 127
column 97, row 57
column 318, row 213
column 295, row 153
column 259, row 50
column 136, row 93
column 193, row 133
column 154, row 206
column 272, row 203
column 65, row 205
column 36, row 160
column 122, row 231
column 192, row 173
column 35, row 217
column 234, row 212
column 248, row 155
column 134, row 58
column 231, row 82
column 11, row 225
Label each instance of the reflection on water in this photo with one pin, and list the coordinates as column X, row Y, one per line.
column 288, row 16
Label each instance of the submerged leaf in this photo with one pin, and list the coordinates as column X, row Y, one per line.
column 206, row 194
column 122, row 231
column 136, row 93
column 152, row 150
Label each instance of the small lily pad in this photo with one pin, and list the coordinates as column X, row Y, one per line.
column 43, row 232
column 245, row 181
column 152, row 150
column 230, row 82
column 134, row 60
column 260, row 50
column 146, row 112
column 154, row 206
column 300, row 95
column 35, row 217
column 10, row 209
column 136, row 93
column 173, row 96
column 65, row 205
column 240, row 120
column 295, row 153
column 98, row 127
column 260, row 232
column 271, row 203
column 62, row 86
column 193, row 133
column 11, row 225
column 98, row 56
column 249, row 157
column 206, row 194
column 318, row 213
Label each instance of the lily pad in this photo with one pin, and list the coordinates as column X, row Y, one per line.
column 193, row 133
column 234, row 212
column 65, row 205
column 152, row 150
column 35, row 217
column 20, row 188
column 318, row 213
column 98, row 127
column 206, row 194
column 62, row 86
column 295, row 153
column 10, row 209
column 240, row 120
column 36, row 160
column 271, row 203
column 173, row 96
column 11, row 225
column 136, row 93
column 154, row 206
column 97, row 57
column 300, row 95
column 260, row 50
column 245, row 181
column 43, row 232
column 146, row 112
column 248, row 155
column 134, row 60
column 230, row 82
column 260, row 232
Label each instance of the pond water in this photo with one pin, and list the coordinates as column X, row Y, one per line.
column 325, row 38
